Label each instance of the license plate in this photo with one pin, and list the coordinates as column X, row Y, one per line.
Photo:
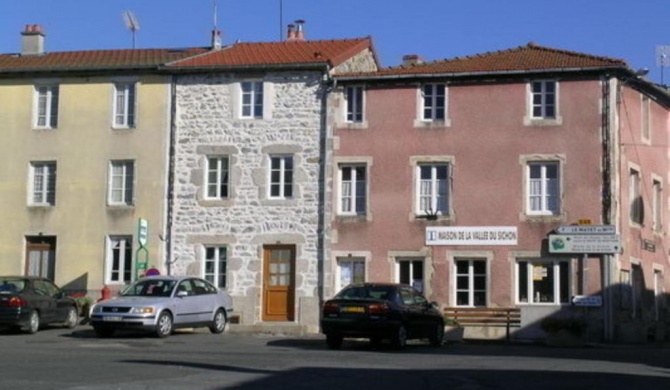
column 113, row 318
column 353, row 309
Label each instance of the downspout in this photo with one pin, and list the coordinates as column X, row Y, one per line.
column 324, row 210
column 170, row 178
column 606, row 260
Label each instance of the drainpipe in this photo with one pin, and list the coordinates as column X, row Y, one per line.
column 606, row 260
column 171, row 175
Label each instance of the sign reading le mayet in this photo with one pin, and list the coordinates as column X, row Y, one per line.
column 471, row 235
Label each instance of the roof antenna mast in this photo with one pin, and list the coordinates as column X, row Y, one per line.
column 281, row 20
column 131, row 23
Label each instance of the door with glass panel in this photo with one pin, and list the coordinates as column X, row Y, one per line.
column 279, row 283
column 40, row 257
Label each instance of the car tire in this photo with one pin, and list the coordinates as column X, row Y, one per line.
column 33, row 323
column 103, row 331
column 72, row 318
column 219, row 322
column 334, row 341
column 399, row 339
column 437, row 336
column 164, row 325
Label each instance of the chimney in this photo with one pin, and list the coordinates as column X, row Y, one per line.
column 411, row 60
column 299, row 30
column 291, row 32
column 32, row 42
column 216, row 39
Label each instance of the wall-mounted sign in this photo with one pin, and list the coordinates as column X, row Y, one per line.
column 587, row 300
column 586, row 229
column 648, row 245
column 471, row 235
column 142, row 232
column 584, row 243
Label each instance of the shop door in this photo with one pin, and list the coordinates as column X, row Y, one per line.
column 279, row 283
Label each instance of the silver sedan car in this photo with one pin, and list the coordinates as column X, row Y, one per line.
column 161, row 304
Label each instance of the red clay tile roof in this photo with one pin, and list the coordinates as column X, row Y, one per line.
column 93, row 59
column 331, row 52
column 520, row 59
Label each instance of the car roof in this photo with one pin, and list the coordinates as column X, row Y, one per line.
column 375, row 284
column 168, row 277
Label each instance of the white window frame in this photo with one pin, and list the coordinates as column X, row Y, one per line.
column 657, row 205
column 284, row 181
column 125, row 247
column 434, row 188
column 433, row 95
column 222, row 177
column 216, row 260
column 44, row 193
column 124, row 110
column 412, row 262
column 354, row 96
column 531, row 294
column 544, row 188
column 636, row 211
column 350, row 197
column 44, row 106
column 253, row 102
column 127, row 194
column 543, row 95
column 354, row 261
column 471, row 275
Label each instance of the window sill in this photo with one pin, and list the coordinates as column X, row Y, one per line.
column 120, row 207
column 437, row 125
column 279, row 202
column 430, row 218
column 344, row 218
column 215, row 202
column 543, row 218
column 122, row 128
column 44, row 128
column 351, row 125
column 542, row 122
column 40, row 206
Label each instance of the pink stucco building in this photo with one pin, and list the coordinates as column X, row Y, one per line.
column 452, row 175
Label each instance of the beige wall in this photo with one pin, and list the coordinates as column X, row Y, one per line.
column 82, row 145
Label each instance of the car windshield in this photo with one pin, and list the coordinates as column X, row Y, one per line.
column 366, row 292
column 150, row 288
column 12, row 284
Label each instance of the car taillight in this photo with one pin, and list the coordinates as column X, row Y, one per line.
column 16, row 302
column 378, row 308
column 331, row 308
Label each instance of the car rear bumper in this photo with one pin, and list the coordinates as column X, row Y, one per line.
column 359, row 327
column 14, row 317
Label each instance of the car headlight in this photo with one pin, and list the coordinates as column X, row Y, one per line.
column 96, row 309
column 142, row 310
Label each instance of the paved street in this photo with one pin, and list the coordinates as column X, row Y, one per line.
column 66, row 359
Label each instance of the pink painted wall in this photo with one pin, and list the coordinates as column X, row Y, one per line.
column 487, row 136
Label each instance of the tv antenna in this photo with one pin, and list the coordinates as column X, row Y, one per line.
column 131, row 23
column 662, row 58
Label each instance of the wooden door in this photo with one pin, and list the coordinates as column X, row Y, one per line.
column 279, row 283
column 40, row 260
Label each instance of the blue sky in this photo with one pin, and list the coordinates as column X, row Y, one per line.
column 434, row 29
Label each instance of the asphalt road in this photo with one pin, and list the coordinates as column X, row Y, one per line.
column 76, row 359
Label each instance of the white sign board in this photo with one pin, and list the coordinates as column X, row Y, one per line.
column 586, row 243
column 142, row 232
column 471, row 235
column 586, row 229
column 587, row 300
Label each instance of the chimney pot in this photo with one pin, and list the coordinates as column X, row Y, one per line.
column 291, row 32
column 299, row 30
column 216, row 39
column 411, row 60
column 32, row 40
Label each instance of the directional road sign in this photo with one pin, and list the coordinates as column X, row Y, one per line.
column 586, row 229
column 584, row 243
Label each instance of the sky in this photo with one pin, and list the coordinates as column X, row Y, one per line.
column 634, row 31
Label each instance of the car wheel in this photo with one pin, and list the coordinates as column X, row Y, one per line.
column 334, row 341
column 219, row 323
column 437, row 336
column 399, row 339
column 164, row 326
column 72, row 318
column 33, row 323
column 103, row 331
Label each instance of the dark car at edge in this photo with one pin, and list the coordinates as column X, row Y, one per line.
column 29, row 302
column 381, row 311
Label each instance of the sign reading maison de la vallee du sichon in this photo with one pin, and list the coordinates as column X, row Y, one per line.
column 471, row 235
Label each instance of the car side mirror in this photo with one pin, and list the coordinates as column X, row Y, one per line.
column 435, row 304
column 182, row 294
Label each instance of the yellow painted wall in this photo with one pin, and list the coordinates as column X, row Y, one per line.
column 82, row 145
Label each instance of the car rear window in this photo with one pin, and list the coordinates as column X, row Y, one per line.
column 366, row 292
column 12, row 285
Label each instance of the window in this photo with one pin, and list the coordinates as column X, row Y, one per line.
column 217, row 181
column 46, row 107
column 124, row 105
column 216, row 259
column 543, row 282
column 470, row 282
column 350, row 270
column 658, row 294
column 657, row 205
column 636, row 204
column 432, row 189
column 646, row 118
column 281, row 177
column 543, row 99
column 352, row 183
column 252, row 99
column 43, row 183
column 354, row 95
column 410, row 272
column 121, row 182
column 543, row 196
column 119, row 259
column 434, row 102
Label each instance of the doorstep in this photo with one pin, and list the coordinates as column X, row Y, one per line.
column 270, row 328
